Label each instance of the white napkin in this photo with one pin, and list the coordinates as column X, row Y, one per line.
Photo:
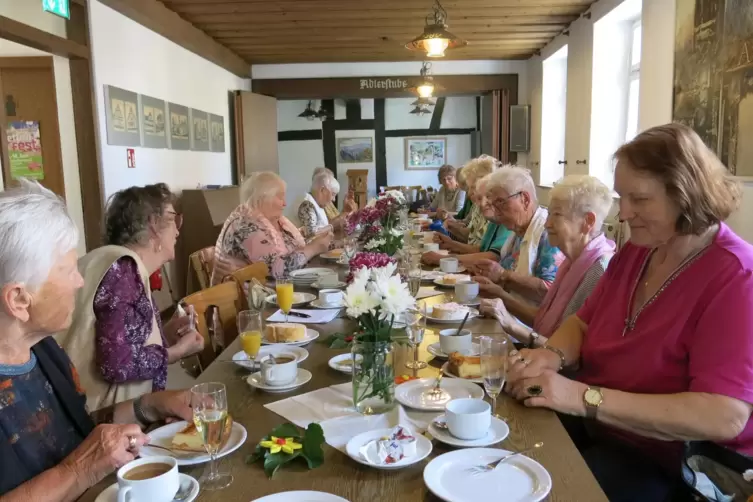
column 318, row 316
column 332, row 407
column 427, row 291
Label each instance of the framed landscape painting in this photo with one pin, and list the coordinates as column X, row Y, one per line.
column 425, row 153
column 355, row 150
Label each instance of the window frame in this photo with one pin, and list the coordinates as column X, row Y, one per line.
column 634, row 74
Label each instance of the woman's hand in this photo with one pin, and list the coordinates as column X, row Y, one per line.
column 495, row 307
column 350, row 206
column 432, row 258
column 189, row 344
column 530, row 363
column 105, row 450
column 492, row 270
column 322, row 241
column 551, row 390
column 178, row 326
column 166, row 405
column 486, row 286
column 442, row 214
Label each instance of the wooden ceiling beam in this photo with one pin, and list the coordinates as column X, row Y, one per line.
column 283, row 31
column 158, row 18
column 448, row 4
column 387, row 18
column 406, row 8
column 358, row 37
column 282, row 47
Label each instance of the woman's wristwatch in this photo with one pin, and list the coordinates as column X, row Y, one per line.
column 558, row 352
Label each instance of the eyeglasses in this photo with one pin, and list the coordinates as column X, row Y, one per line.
column 177, row 218
column 502, row 201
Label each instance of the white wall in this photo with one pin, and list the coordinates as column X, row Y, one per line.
column 132, row 57
column 31, row 13
column 298, row 159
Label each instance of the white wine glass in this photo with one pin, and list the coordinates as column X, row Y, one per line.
column 494, row 351
column 414, row 280
column 209, row 404
column 415, row 326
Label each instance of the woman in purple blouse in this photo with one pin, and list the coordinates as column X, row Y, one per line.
column 117, row 338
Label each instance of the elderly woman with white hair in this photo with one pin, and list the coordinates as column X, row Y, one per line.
column 312, row 211
column 51, row 448
column 529, row 261
column 257, row 231
column 577, row 209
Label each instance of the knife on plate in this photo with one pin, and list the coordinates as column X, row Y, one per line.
column 299, row 314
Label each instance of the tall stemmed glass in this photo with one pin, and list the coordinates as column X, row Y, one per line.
column 414, row 279
column 415, row 326
column 350, row 247
column 285, row 293
column 209, row 403
column 493, row 366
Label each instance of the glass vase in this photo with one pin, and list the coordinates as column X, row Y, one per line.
column 373, row 377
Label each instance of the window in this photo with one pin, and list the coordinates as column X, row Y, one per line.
column 553, row 107
column 634, row 78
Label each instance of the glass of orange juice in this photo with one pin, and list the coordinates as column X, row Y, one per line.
column 249, row 330
column 284, row 290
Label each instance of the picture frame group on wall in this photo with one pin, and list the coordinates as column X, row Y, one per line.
column 134, row 119
column 424, row 153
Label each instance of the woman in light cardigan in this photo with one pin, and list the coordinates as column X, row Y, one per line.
column 577, row 209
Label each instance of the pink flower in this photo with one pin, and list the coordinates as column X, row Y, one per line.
column 368, row 260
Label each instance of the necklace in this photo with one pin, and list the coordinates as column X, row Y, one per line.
column 689, row 260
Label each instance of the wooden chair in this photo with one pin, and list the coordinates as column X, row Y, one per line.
column 202, row 263
column 258, row 271
column 229, row 299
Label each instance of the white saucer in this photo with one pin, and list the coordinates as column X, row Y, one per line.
column 415, row 393
column 423, row 449
column 338, row 285
column 473, row 313
column 110, row 494
column 301, row 496
column 520, row 479
column 164, row 437
column 241, row 358
column 336, row 363
column 298, row 299
column 254, row 380
column 460, row 270
column 497, row 432
column 440, row 281
column 319, row 305
column 435, row 350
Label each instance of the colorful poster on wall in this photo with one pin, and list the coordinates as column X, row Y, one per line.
column 25, row 150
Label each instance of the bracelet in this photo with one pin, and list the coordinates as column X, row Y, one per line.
column 138, row 411
column 559, row 353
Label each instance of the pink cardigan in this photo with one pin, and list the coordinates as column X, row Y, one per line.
column 249, row 237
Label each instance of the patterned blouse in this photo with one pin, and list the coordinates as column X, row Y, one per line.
column 249, row 237
column 452, row 202
column 477, row 226
column 124, row 320
column 312, row 218
column 548, row 258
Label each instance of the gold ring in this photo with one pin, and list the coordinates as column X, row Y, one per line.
column 535, row 390
column 131, row 443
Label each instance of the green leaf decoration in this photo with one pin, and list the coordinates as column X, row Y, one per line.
column 311, row 441
column 312, row 445
column 272, row 462
column 286, row 430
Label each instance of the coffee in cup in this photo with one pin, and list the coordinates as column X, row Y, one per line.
column 450, row 341
column 274, row 373
column 468, row 419
column 150, row 479
column 448, row 265
column 466, row 291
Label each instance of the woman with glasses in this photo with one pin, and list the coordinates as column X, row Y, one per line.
column 116, row 338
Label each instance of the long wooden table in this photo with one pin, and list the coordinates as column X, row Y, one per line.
column 572, row 480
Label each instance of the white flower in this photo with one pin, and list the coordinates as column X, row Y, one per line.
column 396, row 232
column 360, row 278
column 358, row 299
column 374, row 244
column 383, row 273
column 395, row 194
column 394, row 294
column 371, row 203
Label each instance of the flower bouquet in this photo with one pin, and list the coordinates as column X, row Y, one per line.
column 378, row 222
column 374, row 298
column 285, row 443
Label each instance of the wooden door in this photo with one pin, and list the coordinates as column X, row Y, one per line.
column 257, row 132
column 28, row 94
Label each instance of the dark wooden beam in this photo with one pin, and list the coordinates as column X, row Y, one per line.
column 381, row 87
column 84, row 106
column 28, row 35
column 302, row 135
column 158, row 18
column 380, row 145
column 405, row 133
column 353, row 109
column 436, row 115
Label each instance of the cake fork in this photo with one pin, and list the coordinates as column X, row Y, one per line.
column 480, row 469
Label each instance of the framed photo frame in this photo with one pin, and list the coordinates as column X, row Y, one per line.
column 355, row 150
column 216, row 133
column 423, row 154
column 179, row 127
column 153, row 122
column 122, row 117
column 199, row 131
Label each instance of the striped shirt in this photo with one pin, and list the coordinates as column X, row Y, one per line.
column 587, row 284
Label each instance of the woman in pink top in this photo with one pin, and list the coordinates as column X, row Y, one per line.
column 664, row 343
column 257, row 231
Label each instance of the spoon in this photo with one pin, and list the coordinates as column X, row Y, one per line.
column 184, row 492
column 463, row 323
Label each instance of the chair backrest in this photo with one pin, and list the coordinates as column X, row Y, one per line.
column 202, row 262
column 228, row 298
column 258, row 271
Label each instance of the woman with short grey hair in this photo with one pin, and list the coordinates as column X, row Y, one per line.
column 312, row 211
column 578, row 206
column 116, row 338
column 257, row 231
column 450, row 198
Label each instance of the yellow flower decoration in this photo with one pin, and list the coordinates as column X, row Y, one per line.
column 287, row 445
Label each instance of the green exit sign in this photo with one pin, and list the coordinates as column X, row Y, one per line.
column 57, row 7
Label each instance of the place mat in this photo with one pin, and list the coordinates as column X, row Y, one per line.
column 332, row 407
column 318, row 316
column 427, row 292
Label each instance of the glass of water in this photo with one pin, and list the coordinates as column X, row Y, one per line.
column 494, row 353
column 209, row 404
column 415, row 326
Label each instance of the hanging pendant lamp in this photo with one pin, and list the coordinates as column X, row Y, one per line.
column 308, row 113
column 436, row 39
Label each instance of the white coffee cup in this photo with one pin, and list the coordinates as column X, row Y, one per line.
column 428, row 236
column 468, row 418
column 330, row 296
column 450, row 341
column 466, row 291
column 160, row 488
column 448, row 265
column 275, row 374
column 328, row 280
column 431, row 246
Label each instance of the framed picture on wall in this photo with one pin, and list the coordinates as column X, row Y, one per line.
column 122, row 116
column 425, row 153
column 153, row 122
column 179, row 127
column 355, row 150
column 216, row 133
column 199, row 130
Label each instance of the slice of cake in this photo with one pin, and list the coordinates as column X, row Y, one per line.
column 452, row 279
column 189, row 439
column 285, row 332
column 465, row 366
column 449, row 311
